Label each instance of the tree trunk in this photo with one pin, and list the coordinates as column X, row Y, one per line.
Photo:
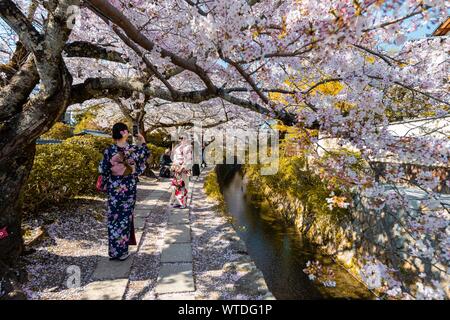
column 17, row 149
column 142, row 127
column 14, row 171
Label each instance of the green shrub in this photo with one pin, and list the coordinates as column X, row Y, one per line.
column 293, row 182
column 86, row 120
column 212, row 187
column 59, row 131
column 159, row 138
column 156, row 153
column 59, row 172
column 97, row 143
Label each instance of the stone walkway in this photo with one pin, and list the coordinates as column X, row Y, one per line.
column 162, row 264
column 176, row 275
column 111, row 278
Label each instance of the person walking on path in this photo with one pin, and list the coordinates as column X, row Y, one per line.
column 181, row 163
column 120, row 167
column 164, row 164
column 204, row 146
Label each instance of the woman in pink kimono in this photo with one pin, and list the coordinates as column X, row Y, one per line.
column 181, row 166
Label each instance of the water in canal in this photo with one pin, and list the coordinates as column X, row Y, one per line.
column 280, row 252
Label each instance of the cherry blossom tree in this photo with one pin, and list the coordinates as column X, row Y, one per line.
column 269, row 57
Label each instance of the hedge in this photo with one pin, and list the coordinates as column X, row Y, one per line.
column 59, row 131
column 59, row 172
column 156, row 153
column 159, row 138
column 97, row 143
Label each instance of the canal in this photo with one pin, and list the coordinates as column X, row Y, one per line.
column 281, row 252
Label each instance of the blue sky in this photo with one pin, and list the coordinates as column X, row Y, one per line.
column 424, row 31
column 421, row 32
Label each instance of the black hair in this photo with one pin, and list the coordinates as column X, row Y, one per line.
column 119, row 126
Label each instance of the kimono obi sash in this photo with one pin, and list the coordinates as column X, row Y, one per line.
column 120, row 166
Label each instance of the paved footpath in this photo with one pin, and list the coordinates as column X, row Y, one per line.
column 161, row 265
column 110, row 279
column 176, row 272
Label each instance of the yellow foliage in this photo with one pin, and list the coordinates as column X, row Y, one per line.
column 212, row 187
column 357, row 7
column 59, row 172
column 97, row 143
column 59, row 131
column 277, row 97
column 283, row 29
column 302, row 85
column 281, row 127
column 370, row 59
column 295, row 184
column 86, row 121
column 291, row 132
column 155, row 154
column 331, row 88
column 328, row 88
column 159, row 138
column 345, row 106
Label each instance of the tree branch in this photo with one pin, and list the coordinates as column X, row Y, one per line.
column 244, row 74
column 385, row 24
column 15, row 94
column 153, row 70
column 108, row 11
column 83, row 49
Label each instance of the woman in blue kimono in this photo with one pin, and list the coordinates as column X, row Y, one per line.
column 121, row 165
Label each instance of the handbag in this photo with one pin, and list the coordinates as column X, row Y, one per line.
column 196, row 170
column 132, row 240
column 99, row 184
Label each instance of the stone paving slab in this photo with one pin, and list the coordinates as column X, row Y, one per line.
column 138, row 235
column 139, row 223
column 105, row 290
column 146, row 206
column 110, row 278
column 252, row 283
column 179, row 210
column 156, row 193
column 107, row 269
column 178, row 233
column 176, row 296
column 143, row 213
column 177, row 252
column 154, row 196
column 175, row 278
column 178, row 217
